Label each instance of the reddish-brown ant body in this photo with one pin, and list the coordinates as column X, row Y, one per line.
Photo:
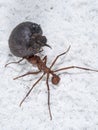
column 42, row 67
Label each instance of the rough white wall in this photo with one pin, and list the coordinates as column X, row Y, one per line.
column 74, row 101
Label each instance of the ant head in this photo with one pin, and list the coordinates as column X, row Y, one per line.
column 55, row 79
column 40, row 40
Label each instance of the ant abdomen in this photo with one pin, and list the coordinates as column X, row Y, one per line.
column 55, row 79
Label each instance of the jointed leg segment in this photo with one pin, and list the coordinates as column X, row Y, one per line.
column 72, row 67
column 14, row 62
column 31, row 89
column 45, row 59
column 48, row 89
column 28, row 73
column 59, row 56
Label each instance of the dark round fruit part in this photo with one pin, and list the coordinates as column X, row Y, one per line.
column 55, row 79
column 23, row 39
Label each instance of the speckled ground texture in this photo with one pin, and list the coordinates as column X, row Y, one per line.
column 74, row 101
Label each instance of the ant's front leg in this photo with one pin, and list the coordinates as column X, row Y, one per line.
column 59, row 56
column 14, row 62
column 45, row 60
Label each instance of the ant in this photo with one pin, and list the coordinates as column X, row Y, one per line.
column 42, row 67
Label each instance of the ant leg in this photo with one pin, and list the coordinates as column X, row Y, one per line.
column 48, row 96
column 45, row 59
column 58, row 57
column 28, row 73
column 14, row 62
column 31, row 90
column 71, row 67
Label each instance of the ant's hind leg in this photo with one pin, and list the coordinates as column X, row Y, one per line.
column 77, row 67
column 48, row 89
column 31, row 89
column 14, row 62
column 28, row 73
